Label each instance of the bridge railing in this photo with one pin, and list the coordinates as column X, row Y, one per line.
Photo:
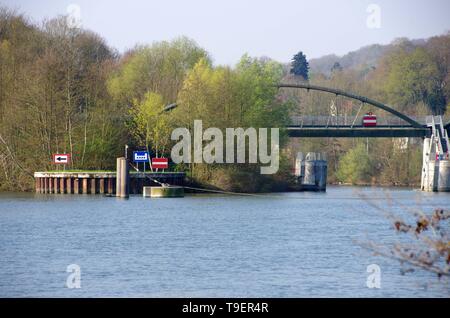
column 347, row 120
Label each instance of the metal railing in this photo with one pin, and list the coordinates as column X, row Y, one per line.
column 347, row 120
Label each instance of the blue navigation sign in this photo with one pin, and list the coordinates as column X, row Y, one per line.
column 140, row 156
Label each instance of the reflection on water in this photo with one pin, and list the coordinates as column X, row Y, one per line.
column 278, row 245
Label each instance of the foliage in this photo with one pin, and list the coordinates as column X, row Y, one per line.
column 336, row 68
column 53, row 99
column 223, row 97
column 300, row 65
column 355, row 166
column 66, row 90
column 430, row 249
column 150, row 125
column 414, row 77
column 158, row 68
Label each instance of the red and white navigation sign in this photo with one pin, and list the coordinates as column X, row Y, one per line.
column 160, row 163
column 369, row 120
column 59, row 158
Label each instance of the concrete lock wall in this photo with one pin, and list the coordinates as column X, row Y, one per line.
column 425, row 160
column 436, row 176
column 435, row 173
column 443, row 184
column 432, row 174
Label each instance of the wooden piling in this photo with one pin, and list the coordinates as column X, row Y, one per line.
column 56, row 185
column 103, row 182
column 62, row 185
column 101, row 186
column 110, row 186
column 85, row 185
column 122, row 178
column 69, row 185
column 76, row 186
column 93, row 186
column 38, row 185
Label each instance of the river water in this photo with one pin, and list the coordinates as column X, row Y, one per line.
column 277, row 245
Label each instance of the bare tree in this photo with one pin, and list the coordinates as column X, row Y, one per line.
column 428, row 244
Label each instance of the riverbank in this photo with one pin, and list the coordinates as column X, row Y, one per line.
column 285, row 187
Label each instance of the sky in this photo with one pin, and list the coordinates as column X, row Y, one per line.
column 229, row 28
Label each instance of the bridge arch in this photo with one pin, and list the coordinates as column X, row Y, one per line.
column 363, row 99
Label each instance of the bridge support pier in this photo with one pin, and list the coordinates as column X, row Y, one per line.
column 311, row 171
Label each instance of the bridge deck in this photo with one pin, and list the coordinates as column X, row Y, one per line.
column 357, row 131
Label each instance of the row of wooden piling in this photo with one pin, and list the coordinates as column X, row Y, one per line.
column 98, row 183
column 70, row 185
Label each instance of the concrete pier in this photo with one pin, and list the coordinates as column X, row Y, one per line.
column 311, row 171
column 164, row 192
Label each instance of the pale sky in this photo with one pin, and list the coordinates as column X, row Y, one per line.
column 273, row 28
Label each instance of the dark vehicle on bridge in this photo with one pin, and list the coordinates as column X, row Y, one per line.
column 369, row 120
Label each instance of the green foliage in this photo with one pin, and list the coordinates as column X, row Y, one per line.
column 158, row 68
column 222, row 97
column 65, row 90
column 240, row 97
column 415, row 77
column 150, row 126
column 300, row 65
column 355, row 166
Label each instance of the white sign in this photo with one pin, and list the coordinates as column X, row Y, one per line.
column 140, row 156
column 59, row 158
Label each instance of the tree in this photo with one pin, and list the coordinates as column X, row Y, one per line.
column 336, row 67
column 300, row 65
column 426, row 244
column 53, row 98
column 160, row 68
column 355, row 166
column 439, row 49
column 244, row 96
column 150, row 126
column 415, row 77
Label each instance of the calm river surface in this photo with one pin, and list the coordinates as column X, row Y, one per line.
column 278, row 245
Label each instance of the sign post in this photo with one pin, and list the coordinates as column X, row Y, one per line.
column 140, row 156
column 160, row 163
column 61, row 159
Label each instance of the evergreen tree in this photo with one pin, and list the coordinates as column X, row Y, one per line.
column 300, row 65
column 336, row 67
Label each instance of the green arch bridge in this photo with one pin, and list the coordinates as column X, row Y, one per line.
column 399, row 125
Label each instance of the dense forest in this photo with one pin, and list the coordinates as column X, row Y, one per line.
column 64, row 89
